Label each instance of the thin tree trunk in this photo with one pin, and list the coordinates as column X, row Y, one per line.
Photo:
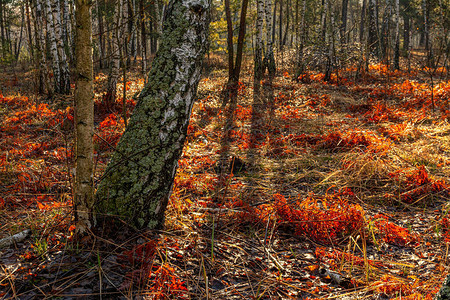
column 41, row 64
column 373, row 41
column 300, row 65
column 230, row 46
column 113, row 77
column 397, row 36
column 241, row 37
column 2, row 29
column 363, row 21
column 63, row 62
column 53, row 48
column 259, row 40
column 286, row 30
column 138, row 180
column 280, row 25
column 101, row 44
column 22, row 25
column 30, row 36
column 269, row 58
column 406, row 34
column 143, row 37
column 344, row 22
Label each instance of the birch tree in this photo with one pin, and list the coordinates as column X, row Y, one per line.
column 269, row 58
column 113, row 77
column 259, row 39
column 138, row 179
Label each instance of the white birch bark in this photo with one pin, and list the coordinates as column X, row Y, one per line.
column 269, row 59
column 67, row 28
column 63, row 63
column 259, row 39
column 53, row 47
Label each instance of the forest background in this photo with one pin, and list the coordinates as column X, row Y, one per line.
column 316, row 164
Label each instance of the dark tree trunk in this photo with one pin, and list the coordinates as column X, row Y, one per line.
column 138, row 180
column 344, row 21
column 362, row 25
column 280, row 25
column 406, row 34
column 30, row 36
column 143, row 37
column 373, row 41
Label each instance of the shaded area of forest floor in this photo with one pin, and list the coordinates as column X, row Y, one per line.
column 336, row 190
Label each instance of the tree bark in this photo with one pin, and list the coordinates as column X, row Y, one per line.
column 397, row 36
column 111, row 89
column 41, row 65
column 53, row 48
column 406, row 34
column 269, row 58
column 64, row 84
column 84, row 118
column 344, row 22
column 259, row 40
column 30, row 35
column 373, row 41
column 138, row 180
column 143, row 37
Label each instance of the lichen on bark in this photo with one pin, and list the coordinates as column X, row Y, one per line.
column 138, row 180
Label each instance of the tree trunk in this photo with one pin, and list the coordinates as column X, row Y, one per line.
column 67, row 29
column 344, row 22
column 64, row 84
column 397, row 36
column 269, row 58
column 19, row 40
column 286, row 30
column 241, row 39
column 406, row 34
column 373, row 29
column 280, row 25
column 84, row 118
column 2, row 29
column 385, row 32
column 259, row 40
column 143, row 37
column 101, row 44
column 30, row 36
column 363, row 21
column 230, row 46
column 113, row 77
column 53, row 48
column 300, row 64
column 41, row 64
column 138, row 180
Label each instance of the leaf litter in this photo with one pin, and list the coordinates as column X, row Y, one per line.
column 341, row 193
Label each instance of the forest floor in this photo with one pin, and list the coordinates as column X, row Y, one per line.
column 332, row 190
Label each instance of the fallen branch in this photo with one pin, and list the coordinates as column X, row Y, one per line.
column 17, row 238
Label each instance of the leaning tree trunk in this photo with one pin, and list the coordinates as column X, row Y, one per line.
column 84, row 117
column 138, row 180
